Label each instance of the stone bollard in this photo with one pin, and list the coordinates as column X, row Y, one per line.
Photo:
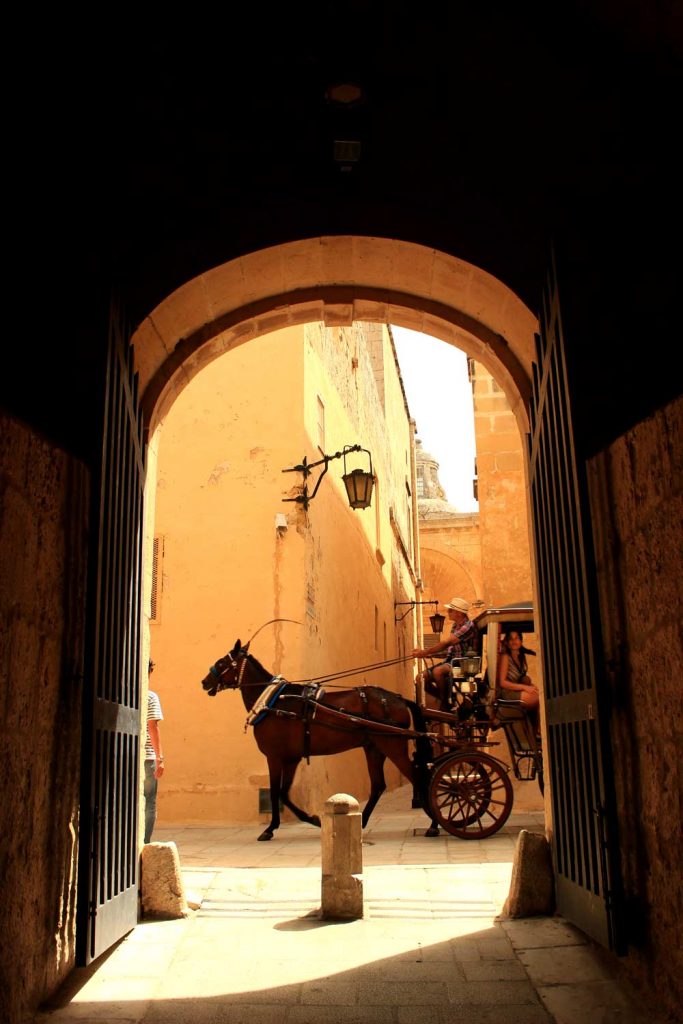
column 342, row 858
column 532, row 886
column 162, row 892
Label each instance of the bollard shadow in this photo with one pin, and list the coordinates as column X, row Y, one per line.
column 402, row 969
column 311, row 921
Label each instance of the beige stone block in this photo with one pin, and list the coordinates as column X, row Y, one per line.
column 149, row 352
column 532, row 891
column 451, row 279
column 511, row 462
column 370, row 310
column 274, row 320
column 415, row 267
column 503, row 442
column 238, row 335
column 405, row 316
column 161, row 882
column 437, row 327
column 181, row 313
column 309, row 312
column 487, row 296
column 342, row 858
column 302, row 264
column 375, row 262
column 338, row 314
column 222, row 288
column 263, row 273
column 336, row 260
column 494, row 403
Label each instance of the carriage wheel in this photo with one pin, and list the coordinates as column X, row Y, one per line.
column 470, row 795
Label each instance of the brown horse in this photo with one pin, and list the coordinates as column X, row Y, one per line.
column 297, row 726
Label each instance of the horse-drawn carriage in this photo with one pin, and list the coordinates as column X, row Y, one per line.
column 453, row 758
column 470, row 794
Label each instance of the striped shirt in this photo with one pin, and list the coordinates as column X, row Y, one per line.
column 154, row 714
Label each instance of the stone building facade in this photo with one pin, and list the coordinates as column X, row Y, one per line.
column 225, row 567
column 483, row 556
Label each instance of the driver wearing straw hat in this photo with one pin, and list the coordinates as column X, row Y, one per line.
column 463, row 637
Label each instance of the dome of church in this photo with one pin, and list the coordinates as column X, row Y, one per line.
column 431, row 497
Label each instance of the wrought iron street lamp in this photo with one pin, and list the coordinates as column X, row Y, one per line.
column 358, row 482
column 436, row 619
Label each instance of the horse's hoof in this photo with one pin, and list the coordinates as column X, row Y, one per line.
column 315, row 820
column 264, row 837
column 431, row 832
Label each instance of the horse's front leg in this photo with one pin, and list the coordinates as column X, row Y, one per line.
column 375, row 759
column 288, row 773
column 275, row 771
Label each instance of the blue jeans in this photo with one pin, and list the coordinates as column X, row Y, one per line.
column 150, row 791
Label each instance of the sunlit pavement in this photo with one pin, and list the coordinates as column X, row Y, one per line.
column 430, row 949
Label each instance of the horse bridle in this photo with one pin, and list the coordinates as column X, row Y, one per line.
column 243, row 654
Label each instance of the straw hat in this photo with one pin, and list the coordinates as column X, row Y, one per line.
column 459, row 604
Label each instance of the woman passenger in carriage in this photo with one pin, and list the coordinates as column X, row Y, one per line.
column 513, row 682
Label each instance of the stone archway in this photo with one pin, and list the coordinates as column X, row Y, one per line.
column 336, row 280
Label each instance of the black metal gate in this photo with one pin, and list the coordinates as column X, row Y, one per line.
column 585, row 846
column 108, row 883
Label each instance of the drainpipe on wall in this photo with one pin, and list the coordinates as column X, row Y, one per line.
column 415, row 524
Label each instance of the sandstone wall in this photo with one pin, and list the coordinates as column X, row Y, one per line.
column 43, row 520
column 637, row 501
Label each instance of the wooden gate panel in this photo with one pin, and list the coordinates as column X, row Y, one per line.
column 585, row 845
column 108, row 883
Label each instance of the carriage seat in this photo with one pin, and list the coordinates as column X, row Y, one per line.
column 514, row 719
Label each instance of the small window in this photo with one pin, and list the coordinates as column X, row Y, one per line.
column 376, row 628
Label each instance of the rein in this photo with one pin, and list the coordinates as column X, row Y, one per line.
column 314, row 680
column 373, row 667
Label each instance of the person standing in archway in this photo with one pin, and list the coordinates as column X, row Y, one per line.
column 154, row 759
column 462, row 638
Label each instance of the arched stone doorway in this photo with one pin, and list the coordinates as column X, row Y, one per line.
column 337, row 280
column 341, row 279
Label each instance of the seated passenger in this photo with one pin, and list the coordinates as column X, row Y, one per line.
column 462, row 638
column 513, row 682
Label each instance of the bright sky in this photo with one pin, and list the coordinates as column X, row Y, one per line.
column 440, row 401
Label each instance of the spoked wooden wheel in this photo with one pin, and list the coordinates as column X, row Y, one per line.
column 470, row 795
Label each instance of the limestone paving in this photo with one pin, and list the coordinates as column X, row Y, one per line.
column 431, row 947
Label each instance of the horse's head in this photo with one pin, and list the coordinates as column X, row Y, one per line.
column 225, row 674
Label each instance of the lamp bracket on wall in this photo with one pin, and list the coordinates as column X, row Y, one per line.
column 436, row 620
column 358, row 482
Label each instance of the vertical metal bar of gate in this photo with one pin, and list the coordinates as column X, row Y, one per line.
column 108, row 889
column 585, row 846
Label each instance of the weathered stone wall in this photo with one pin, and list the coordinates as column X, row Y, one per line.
column 637, row 501
column 43, row 513
column 502, row 493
